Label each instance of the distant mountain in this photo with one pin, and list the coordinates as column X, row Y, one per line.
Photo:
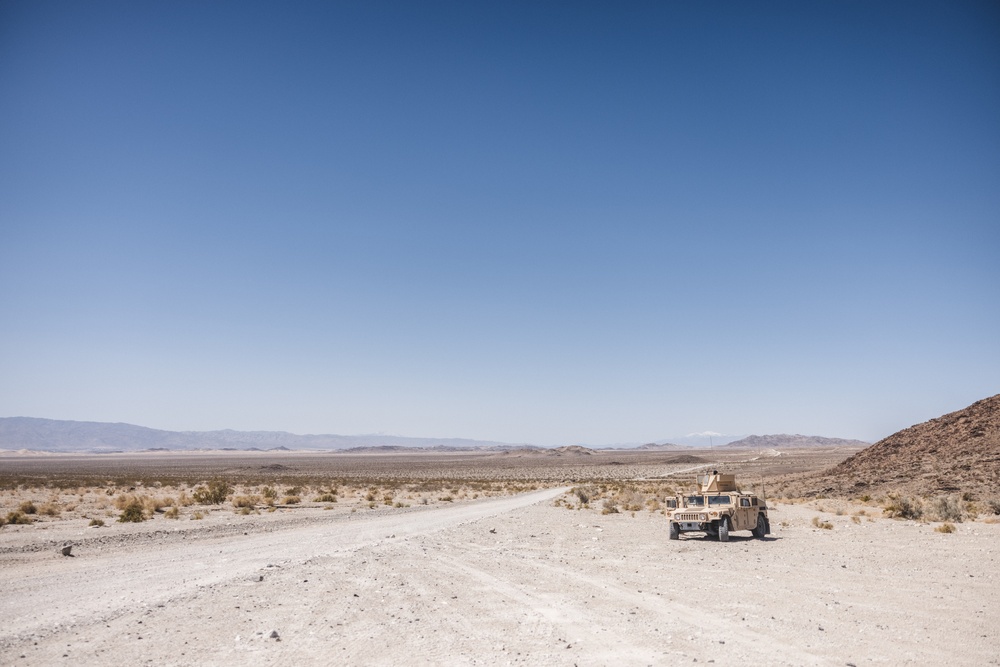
column 705, row 440
column 534, row 452
column 55, row 435
column 784, row 441
column 959, row 451
column 660, row 447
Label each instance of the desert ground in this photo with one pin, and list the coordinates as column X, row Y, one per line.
column 471, row 559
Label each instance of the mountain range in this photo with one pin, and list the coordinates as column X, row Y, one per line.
column 76, row 436
column 784, row 441
column 53, row 435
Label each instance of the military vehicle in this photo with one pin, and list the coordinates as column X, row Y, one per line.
column 719, row 507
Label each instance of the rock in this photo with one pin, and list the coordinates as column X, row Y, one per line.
column 67, row 548
column 275, row 636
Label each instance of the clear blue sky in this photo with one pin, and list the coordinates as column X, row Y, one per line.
column 533, row 222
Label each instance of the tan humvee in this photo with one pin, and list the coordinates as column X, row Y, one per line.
column 719, row 507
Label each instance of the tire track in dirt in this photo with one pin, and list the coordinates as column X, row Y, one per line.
column 116, row 581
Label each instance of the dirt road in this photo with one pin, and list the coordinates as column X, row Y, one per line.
column 503, row 581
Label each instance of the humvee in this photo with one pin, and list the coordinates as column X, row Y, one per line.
column 719, row 507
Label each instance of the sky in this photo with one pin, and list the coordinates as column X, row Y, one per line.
column 532, row 222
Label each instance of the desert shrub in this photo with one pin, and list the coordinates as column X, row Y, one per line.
column 326, row 498
column 245, row 501
column 214, row 494
column 269, row 494
column 856, row 519
column 610, row 506
column 819, row 523
column 27, row 507
column 945, row 528
column 291, row 500
column 18, row 518
column 902, row 507
column 96, row 523
column 173, row 513
column 151, row 504
column 197, row 516
column 633, row 501
column 133, row 513
column 49, row 509
column 293, row 491
column 992, row 505
column 584, row 493
column 945, row 508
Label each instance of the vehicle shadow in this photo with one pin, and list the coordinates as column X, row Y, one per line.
column 735, row 538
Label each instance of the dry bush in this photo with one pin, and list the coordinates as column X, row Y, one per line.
column 819, row 523
column 945, row 528
column 610, row 506
column 586, row 493
column 632, row 501
column 197, row 516
column 27, row 507
column 291, row 500
column 151, row 504
column 902, row 507
column 325, row 498
column 245, row 502
column 49, row 509
column 215, row 493
column 270, row 495
column 17, row 517
column 96, row 523
column 172, row 513
column 132, row 513
column 992, row 505
column 945, row 508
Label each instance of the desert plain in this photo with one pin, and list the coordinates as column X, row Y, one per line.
column 471, row 559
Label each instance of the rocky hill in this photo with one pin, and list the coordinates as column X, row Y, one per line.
column 958, row 452
column 784, row 441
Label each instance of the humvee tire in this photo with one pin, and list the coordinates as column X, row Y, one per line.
column 724, row 530
column 675, row 531
column 761, row 530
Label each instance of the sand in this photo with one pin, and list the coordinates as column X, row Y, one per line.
column 514, row 580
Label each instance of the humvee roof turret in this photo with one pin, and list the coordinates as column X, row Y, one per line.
column 718, row 507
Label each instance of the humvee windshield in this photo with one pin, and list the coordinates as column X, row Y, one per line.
column 718, row 500
column 695, row 501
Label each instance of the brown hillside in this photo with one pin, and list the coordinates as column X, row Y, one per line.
column 957, row 452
